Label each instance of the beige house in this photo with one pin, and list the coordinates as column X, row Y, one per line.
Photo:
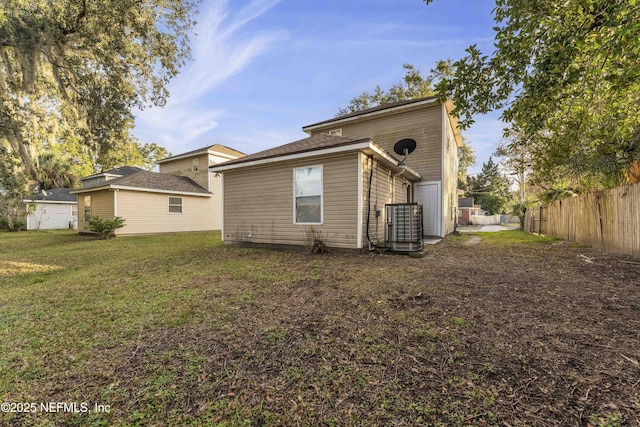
column 195, row 165
column 336, row 182
column 184, row 196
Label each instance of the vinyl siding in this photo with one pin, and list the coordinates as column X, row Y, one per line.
column 216, row 200
column 102, row 205
column 182, row 167
column 149, row 213
column 51, row 216
column 385, row 189
column 449, row 176
column 423, row 125
column 258, row 203
column 206, row 179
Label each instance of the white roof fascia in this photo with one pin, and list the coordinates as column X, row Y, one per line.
column 58, row 202
column 380, row 152
column 339, row 121
column 197, row 153
column 98, row 175
column 181, row 156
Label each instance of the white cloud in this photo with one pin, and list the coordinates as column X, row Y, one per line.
column 219, row 51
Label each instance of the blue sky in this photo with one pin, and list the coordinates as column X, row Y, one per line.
column 263, row 69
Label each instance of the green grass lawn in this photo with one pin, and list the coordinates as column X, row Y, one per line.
column 179, row 329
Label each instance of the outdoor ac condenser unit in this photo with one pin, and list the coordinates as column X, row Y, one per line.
column 404, row 227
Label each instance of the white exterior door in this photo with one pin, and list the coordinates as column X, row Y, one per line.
column 429, row 197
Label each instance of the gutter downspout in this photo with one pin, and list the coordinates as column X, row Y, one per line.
column 393, row 184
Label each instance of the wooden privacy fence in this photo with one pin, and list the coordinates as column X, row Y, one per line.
column 608, row 219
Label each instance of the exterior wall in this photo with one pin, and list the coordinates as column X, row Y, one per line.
column 423, row 125
column 385, row 189
column 183, row 167
column 449, row 176
column 102, row 205
column 258, row 203
column 52, row 216
column 435, row 157
column 203, row 177
column 145, row 212
column 216, row 200
column 93, row 181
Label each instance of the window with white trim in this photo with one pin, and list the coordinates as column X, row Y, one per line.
column 307, row 195
column 195, row 165
column 87, row 208
column 175, row 205
column 335, row 132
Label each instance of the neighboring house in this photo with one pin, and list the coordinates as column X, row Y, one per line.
column 335, row 183
column 183, row 196
column 150, row 202
column 195, row 165
column 467, row 210
column 52, row 209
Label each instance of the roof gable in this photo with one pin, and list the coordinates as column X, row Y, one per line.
column 209, row 149
column 379, row 109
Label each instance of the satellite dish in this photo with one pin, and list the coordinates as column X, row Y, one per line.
column 404, row 147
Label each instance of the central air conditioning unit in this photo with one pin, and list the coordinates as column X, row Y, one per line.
column 404, row 227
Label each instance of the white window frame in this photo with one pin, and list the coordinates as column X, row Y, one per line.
column 336, row 132
column 295, row 197
column 195, row 165
column 170, row 205
column 87, row 213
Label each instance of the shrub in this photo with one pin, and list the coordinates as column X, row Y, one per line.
column 105, row 227
column 316, row 241
column 11, row 223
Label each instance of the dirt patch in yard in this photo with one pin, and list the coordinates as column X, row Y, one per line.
column 528, row 334
column 509, row 333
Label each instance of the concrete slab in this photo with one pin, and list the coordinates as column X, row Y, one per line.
column 431, row 240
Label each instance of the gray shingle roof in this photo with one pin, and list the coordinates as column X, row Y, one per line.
column 122, row 171
column 465, row 202
column 153, row 181
column 55, row 195
column 312, row 143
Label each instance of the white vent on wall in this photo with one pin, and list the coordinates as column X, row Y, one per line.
column 335, row 132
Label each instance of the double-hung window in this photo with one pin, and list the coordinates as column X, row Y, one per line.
column 175, row 205
column 87, row 208
column 307, row 195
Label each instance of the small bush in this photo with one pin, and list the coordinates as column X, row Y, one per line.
column 105, row 227
column 316, row 241
column 12, row 224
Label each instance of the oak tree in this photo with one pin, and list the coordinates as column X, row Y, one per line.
column 72, row 71
column 566, row 77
